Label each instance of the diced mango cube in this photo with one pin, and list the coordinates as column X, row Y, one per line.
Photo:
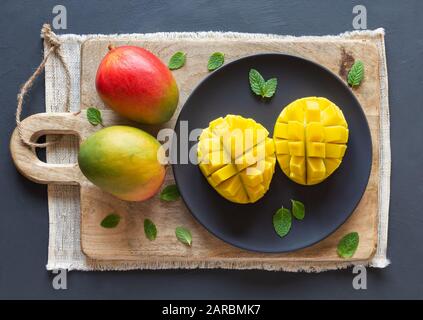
column 271, row 158
column 297, row 165
column 331, row 165
column 315, row 170
column 252, row 176
column 295, row 131
column 329, row 116
column 233, row 142
column 217, row 122
column 270, row 147
column 230, row 187
column 222, row 174
column 236, row 122
column 281, row 146
column 219, row 127
column 332, row 116
column 301, row 179
column 268, row 171
column 253, row 136
column 213, row 161
column 292, row 113
column 246, row 160
column 205, row 134
column 315, row 132
column 255, row 154
column 209, row 145
column 281, row 130
column 240, row 197
column 316, row 149
column 255, row 192
column 323, row 102
column 217, row 157
column 342, row 121
column 335, row 150
column 296, row 148
column 312, row 112
column 284, row 160
column 284, row 116
column 296, row 114
column 336, row 134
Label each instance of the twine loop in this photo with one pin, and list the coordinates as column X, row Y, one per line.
column 49, row 36
column 54, row 47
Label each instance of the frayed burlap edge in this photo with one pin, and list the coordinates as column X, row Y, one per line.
column 233, row 265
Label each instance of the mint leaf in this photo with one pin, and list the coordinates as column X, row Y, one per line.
column 110, row 221
column 356, row 74
column 262, row 88
column 94, row 116
column 348, row 245
column 269, row 88
column 282, row 221
column 183, row 235
column 216, row 60
column 177, row 60
column 256, row 82
column 298, row 209
column 170, row 193
column 150, row 229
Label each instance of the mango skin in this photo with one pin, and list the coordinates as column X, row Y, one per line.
column 123, row 161
column 136, row 84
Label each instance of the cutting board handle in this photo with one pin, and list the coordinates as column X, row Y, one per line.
column 25, row 158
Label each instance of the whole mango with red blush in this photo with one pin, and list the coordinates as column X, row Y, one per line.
column 136, row 84
column 124, row 161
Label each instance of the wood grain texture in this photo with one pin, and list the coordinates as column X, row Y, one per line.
column 127, row 242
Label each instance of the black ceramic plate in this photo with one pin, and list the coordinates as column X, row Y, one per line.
column 328, row 204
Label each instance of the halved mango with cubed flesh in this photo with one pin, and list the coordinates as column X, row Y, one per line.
column 237, row 157
column 310, row 137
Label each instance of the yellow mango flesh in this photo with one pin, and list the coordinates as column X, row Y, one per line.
column 310, row 137
column 237, row 158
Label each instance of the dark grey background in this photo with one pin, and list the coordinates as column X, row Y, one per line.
column 24, row 215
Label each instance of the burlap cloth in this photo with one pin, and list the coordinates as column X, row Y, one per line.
column 64, row 250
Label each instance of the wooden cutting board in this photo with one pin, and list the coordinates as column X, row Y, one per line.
column 127, row 242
